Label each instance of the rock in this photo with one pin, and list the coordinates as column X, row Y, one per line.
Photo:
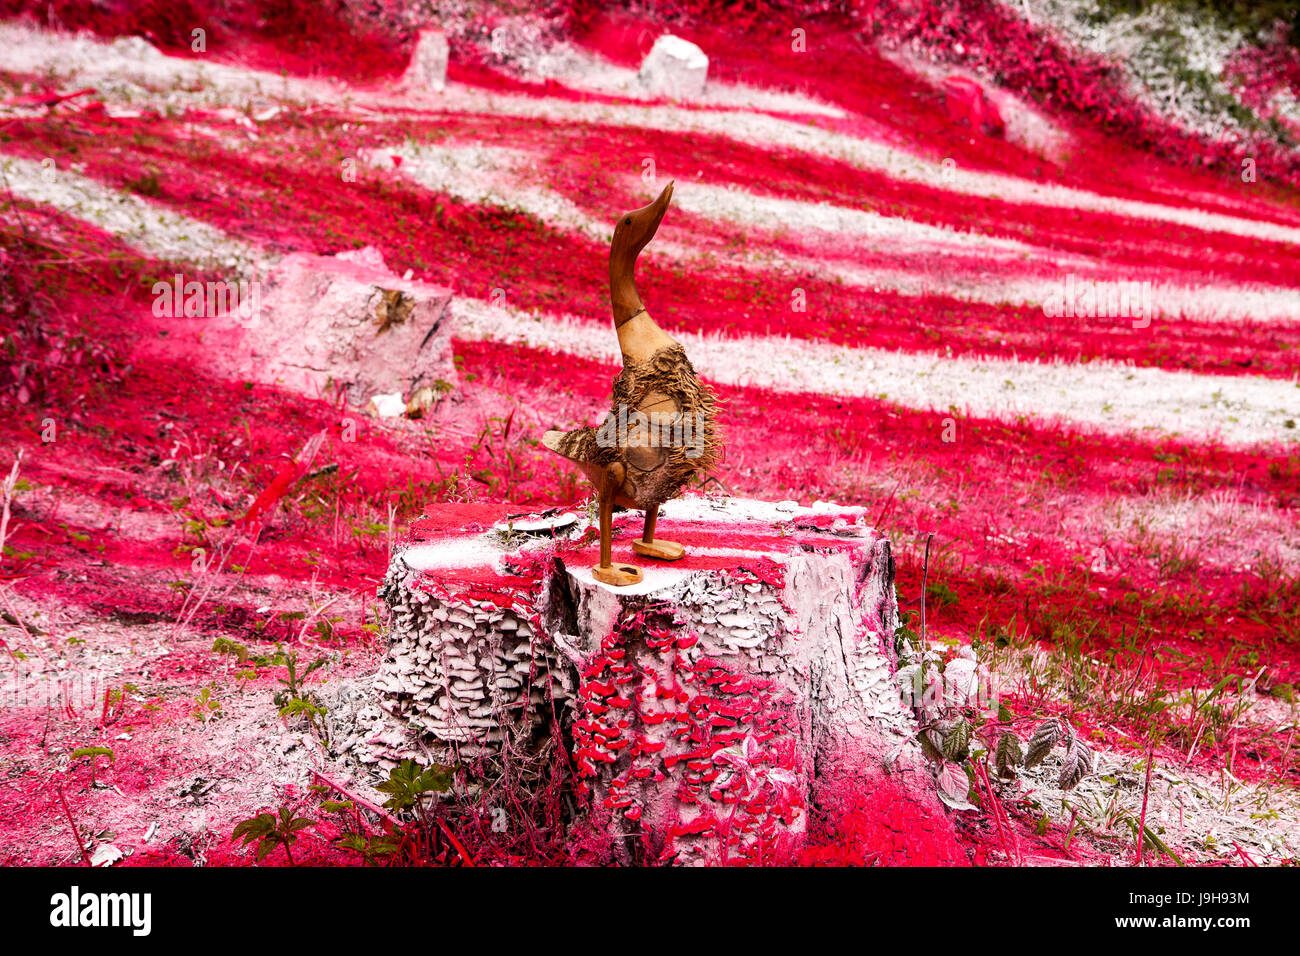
column 427, row 72
column 105, row 855
column 675, row 68
column 714, row 708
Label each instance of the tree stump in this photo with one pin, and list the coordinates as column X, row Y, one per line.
column 320, row 322
column 349, row 320
column 711, row 711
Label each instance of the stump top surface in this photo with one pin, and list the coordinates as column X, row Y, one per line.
column 459, row 543
column 364, row 267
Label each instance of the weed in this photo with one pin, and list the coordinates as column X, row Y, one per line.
column 269, row 830
column 93, row 753
column 206, row 706
column 228, row 649
column 294, row 701
column 411, row 840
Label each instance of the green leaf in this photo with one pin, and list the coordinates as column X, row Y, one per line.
column 1041, row 743
column 1218, row 689
column 1154, row 840
column 92, row 752
column 254, row 828
column 956, row 740
column 299, row 706
column 225, row 646
column 408, row 780
column 1009, row 754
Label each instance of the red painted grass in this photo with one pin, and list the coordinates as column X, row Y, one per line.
column 847, row 838
column 114, row 439
column 299, row 37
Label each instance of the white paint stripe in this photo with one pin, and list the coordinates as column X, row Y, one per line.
column 486, row 175
column 1171, row 300
column 1107, row 396
column 792, row 216
column 129, row 70
column 772, row 133
column 475, row 175
column 151, row 229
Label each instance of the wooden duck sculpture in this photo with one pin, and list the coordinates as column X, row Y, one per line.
column 660, row 430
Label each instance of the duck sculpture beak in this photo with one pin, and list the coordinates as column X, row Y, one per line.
column 641, row 225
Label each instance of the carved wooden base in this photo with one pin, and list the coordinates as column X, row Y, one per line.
column 663, row 550
column 617, row 575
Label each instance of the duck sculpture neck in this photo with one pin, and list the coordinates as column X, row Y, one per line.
column 638, row 335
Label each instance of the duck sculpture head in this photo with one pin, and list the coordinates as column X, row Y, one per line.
column 660, row 430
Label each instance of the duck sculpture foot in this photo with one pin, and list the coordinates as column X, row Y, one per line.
column 651, row 547
column 618, row 575
column 660, row 428
column 663, row 550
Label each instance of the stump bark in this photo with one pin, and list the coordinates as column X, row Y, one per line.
column 711, row 711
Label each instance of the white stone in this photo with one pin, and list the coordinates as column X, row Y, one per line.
column 427, row 71
column 675, row 68
column 105, row 855
column 388, row 405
